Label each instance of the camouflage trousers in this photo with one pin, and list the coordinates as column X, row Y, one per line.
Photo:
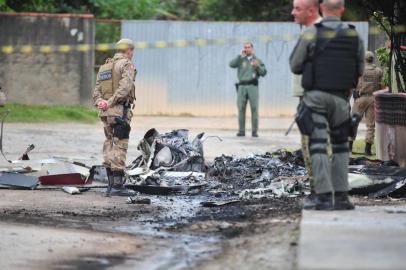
column 307, row 159
column 365, row 105
column 306, row 145
column 114, row 149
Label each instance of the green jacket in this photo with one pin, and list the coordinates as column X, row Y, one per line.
column 245, row 70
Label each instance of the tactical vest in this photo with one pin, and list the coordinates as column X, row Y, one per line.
column 334, row 65
column 109, row 80
column 370, row 80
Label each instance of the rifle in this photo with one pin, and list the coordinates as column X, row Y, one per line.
column 290, row 127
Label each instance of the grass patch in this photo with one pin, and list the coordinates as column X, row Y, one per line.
column 40, row 114
column 358, row 148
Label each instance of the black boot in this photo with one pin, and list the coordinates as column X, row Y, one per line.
column 368, row 149
column 110, row 181
column 254, row 134
column 240, row 134
column 118, row 185
column 350, row 145
column 309, row 203
column 324, row 201
column 342, row 202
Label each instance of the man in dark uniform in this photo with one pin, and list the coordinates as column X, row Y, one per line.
column 330, row 57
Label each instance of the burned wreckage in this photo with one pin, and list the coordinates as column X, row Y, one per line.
column 170, row 163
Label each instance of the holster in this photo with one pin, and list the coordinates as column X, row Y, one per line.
column 250, row 82
column 121, row 128
column 355, row 94
column 304, row 119
column 353, row 127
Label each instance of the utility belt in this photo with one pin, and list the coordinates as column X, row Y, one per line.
column 250, row 82
column 340, row 133
column 127, row 105
column 339, row 93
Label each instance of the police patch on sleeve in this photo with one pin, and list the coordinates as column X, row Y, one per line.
column 105, row 75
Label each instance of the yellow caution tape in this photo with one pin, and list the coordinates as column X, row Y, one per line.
column 64, row 48
column 161, row 44
column 84, row 48
column 220, row 41
column 180, row 43
column 200, row 42
column 45, row 49
column 26, row 49
column 141, row 45
column 103, row 47
column 7, row 49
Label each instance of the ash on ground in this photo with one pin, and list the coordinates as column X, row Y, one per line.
column 277, row 174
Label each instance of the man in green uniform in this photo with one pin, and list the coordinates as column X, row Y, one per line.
column 364, row 100
column 249, row 69
column 330, row 56
column 306, row 14
column 113, row 95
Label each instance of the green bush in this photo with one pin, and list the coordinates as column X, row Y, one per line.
column 39, row 113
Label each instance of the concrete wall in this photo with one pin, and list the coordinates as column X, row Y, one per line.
column 53, row 78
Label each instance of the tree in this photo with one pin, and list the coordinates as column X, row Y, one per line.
column 395, row 12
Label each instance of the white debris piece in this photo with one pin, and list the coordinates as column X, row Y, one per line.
column 71, row 190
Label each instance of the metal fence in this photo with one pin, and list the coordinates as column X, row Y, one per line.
column 196, row 80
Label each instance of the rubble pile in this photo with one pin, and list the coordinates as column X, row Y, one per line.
column 273, row 174
column 170, row 151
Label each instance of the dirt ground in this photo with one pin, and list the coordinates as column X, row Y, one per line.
column 49, row 229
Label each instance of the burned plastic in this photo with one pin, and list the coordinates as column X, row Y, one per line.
column 170, row 151
column 64, row 179
column 98, row 173
column 25, row 156
column 376, row 180
column 18, row 181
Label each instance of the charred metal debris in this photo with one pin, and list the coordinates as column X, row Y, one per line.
column 170, row 163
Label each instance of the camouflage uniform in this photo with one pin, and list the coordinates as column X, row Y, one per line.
column 368, row 83
column 119, row 100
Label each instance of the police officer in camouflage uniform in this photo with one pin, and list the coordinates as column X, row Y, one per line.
column 364, row 100
column 306, row 14
column 249, row 69
column 330, row 56
column 114, row 95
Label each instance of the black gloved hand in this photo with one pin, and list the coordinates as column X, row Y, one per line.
column 355, row 94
